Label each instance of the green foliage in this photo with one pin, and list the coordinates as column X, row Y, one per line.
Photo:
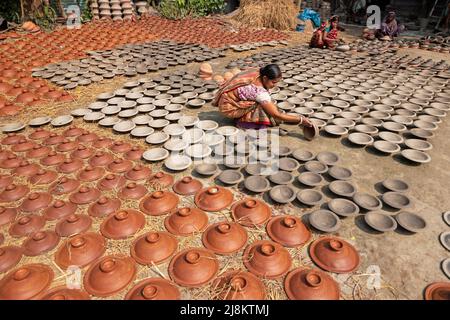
column 86, row 14
column 179, row 9
column 46, row 18
column 10, row 10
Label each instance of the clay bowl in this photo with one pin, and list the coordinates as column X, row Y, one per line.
column 257, row 184
column 395, row 185
column 444, row 238
column 178, row 162
column 418, row 144
column 391, row 137
column 380, row 222
column 386, row 147
column 446, row 217
column 156, row 154
column 310, row 179
column 343, row 207
column 342, row 188
column 367, row 201
column 153, row 289
column 411, row 221
column 282, row 194
column 340, row 173
column 416, row 156
column 327, row 158
column 310, row 197
column 206, row 169
column 303, row 155
column 360, row 139
column 325, row 221
column 316, row 167
column 288, row 164
column 231, row 177
column 396, row 200
column 394, row 126
column 281, row 178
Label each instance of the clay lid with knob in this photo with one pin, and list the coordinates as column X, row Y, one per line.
column 213, row 199
column 36, row 201
column 26, row 225
column 39, row 134
column 64, row 185
column 53, row 159
column 38, row 152
column 67, row 145
column 161, row 180
column 13, row 193
column 251, row 212
column 5, row 154
column 26, row 282
column 121, row 147
column 120, row 166
column 239, row 285
column 59, row 209
column 334, row 255
column 102, row 142
column 64, row 293
column 132, row 191
column 70, row 165
column 73, row 224
column 134, row 154
column 187, row 186
column 310, row 284
column 101, row 158
column 40, row 242
column 43, row 177
column 5, row 180
column 267, row 259
column 9, row 257
column 109, row 275
column 154, row 248
column 111, row 181
column 7, row 215
column 159, row 203
column 80, row 250
column 138, row 172
column 438, row 291
column 73, row 131
column 90, row 173
column 26, row 169
column 154, row 289
column 11, row 162
column 288, row 231
column 85, row 195
column 103, row 207
column 23, row 146
column 82, row 152
column 225, row 237
column 186, row 221
column 193, row 267
column 87, row 137
column 12, row 138
column 122, row 224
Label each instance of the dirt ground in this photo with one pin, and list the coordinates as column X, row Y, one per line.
column 406, row 263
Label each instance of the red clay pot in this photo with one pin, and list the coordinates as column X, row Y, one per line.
column 52, row 159
column 38, row 152
column 59, row 209
column 9, row 257
column 138, row 172
column 26, row 225
column 120, row 166
column 288, row 231
column 36, row 201
column 13, row 193
column 53, row 139
column 73, row 131
column 103, row 207
column 154, row 289
column 7, row 215
column 213, row 198
column 122, row 224
column 67, row 146
column 87, row 137
column 70, row 165
column 5, row 181
column 40, row 242
column 110, row 182
column 23, row 146
column 85, row 195
column 101, row 159
column 82, row 152
column 64, row 293
column 239, row 285
column 224, row 237
column 12, row 138
column 43, row 177
column 310, row 284
column 153, row 248
column 132, row 191
column 251, row 212
column 12, row 162
column 26, row 169
column 187, row 186
column 159, row 203
column 103, row 143
column 4, row 154
column 39, row 134
column 186, row 221
column 89, row 173
column 73, row 224
column 134, row 154
column 120, row 147
column 64, row 185
column 437, row 291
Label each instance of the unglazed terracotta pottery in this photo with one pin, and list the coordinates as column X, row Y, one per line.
column 334, row 255
column 251, row 212
column 122, row 224
column 224, row 237
column 213, row 198
column 59, row 209
column 153, row 248
column 9, row 257
column 64, row 293
column 238, row 285
column 154, row 289
column 73, row 224
column 159, row 203
column 310, row 284
column 187, row 186
column 26, row 225
column 288, row 231
column 186, row 221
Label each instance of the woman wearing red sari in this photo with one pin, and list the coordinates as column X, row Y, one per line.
column 326, row 37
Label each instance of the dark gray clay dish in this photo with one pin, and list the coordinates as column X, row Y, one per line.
column 316, row 167
column 231, row 177
column 282, row 178
column 325, row 220
column 445, row 265
column 395, row 185
column 257, row 184
column 303, row 155
column 340, row 173
column 310, row 197
column 206, row 169
column 342, row 188
column 446, row 217
column 367, row 201
column 416, row 156
column 360, row 139
column 386, row 146
column 288, row 164
column 444, row 238
column 380, row 221
column 310, row 179
column 396, row 200
column 282, row 194
column 328, row 158
column 260, row 169
column 343, row 207
column 411, row 221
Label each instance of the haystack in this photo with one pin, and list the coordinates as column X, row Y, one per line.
column 276, row 14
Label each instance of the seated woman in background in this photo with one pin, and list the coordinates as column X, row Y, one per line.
column 326, row 37
column 246, row 98
column 390, row 27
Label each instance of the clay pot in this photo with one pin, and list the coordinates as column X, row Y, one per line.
column 43, row 177
column 193, row 267
column 64, row 185
column 80, row 250
column 134, row 154
column 5, row 154
column 103, row 207
column 239, row 285
column 267, row 259
column 334, row 255
column 23, row 146
column 122, row 224
column 138, row 173
column 213, row 199
column 82, row 152
column 89, row 174
column 186, row 221
column 154, row 289
column 224, row 238
column 159, row 203
column 251, row 212
column 12, row 138
column 9, row 257
column 70, row 165
column 310, row 284
column 73, row 131
column 26, row 169
column 59, row 209
column 161, row 180
column 120, row 147
column 73, row 224
column 39, row 134
column 36, row 201
column 109, row 275
column 187, row 186
column 38, row 152
column 110, row 182
column 26, row 283
column 132, row 191
column 438, row 291
column 11, row 162
column 120, row 166
column 288, row 231
column 40, row 242
column 102, row 142
column 5, row 181
column 85, row 195
column 101, row 159
column 67, row 146
column 154, row 248
column 87, row 137
column 52, row 159
column 63, row 293
column 53, row 139
column 26, row 225
column 7, row 215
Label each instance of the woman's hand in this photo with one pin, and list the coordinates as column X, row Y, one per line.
column 306, row 122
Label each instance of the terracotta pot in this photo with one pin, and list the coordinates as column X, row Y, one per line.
column 153, row 248
column 101, row 159
column 120, row 166
column 193, row 267
column 89, row 173
column 334, row 255
column 161, row 180
column 289, row 231
column 213, row 198
column 40, row 242
column 10, row 257
column 70, row 165
column 5, row 181
column 87, row 137
column 120, row 147
column 12, row 138
column 53, row 139
column 23, row 146
column 82, row 152
column 73, row 131
column 26, row 282
column 138, row 172
column 122, row 224
column 63, row 293
column 85, row 195
column 159, row 203
column 225, row 237
column 251, row 212
column 267, row 259
column 36, row 201
column 26, row 169
column 38, row 152
column 102, row 142
column 7, row 215
column 59, row 209
column 43, row 177
column 310, row 284
column 132, row 191
column 109, row 275
column 154, row 289
column 110, row 182
column 437, row 291
column 66, row 146
column 73, row 224
column 187, row 186
column 239, row 285
column 80, row 250
column 13, row 161
column 13, row 193
column 52, row 159
column 134, row 154
column 103, row 207
column 64, row 185
column 186, row 221
column 4, row 154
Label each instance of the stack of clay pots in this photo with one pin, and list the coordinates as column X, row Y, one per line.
column 116, row 10
column 105, row 9
column 141, row 8
column 127, row 9
column 205, row 71
column 94, row 10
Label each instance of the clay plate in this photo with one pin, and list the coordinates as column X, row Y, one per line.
column 380, row 221
column 396, row 200
column 343, row 207
column 411, row 221
column 325, row 221
column 395, row 185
